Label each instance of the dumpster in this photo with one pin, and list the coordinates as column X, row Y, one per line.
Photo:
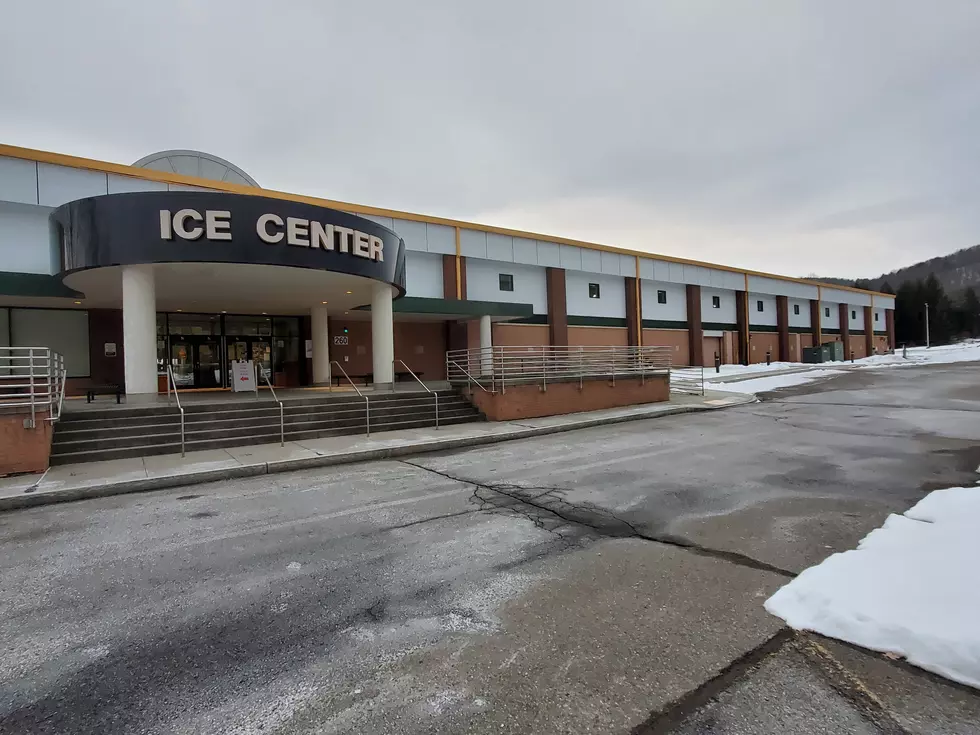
column 835, row 350
column 817, row 354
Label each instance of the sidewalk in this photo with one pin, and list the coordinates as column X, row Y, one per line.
column 97, row 479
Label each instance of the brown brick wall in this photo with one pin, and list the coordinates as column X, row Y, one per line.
column 530, row 401
column 422, row 345
column 760, row 343
column 24, row 450
column 598, row 336
column 519, row 335
column 677, row 339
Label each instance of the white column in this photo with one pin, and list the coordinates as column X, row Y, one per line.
column 486, row 345
column 382, row 334
column 139, row 329
column 321, row 345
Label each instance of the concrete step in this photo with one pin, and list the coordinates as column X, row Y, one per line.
column 173, row 446
column 92, row 441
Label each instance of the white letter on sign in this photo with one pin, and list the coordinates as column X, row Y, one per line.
column 297, row 232
column 377, row 249
column 345, row 233
column 166, row 233
column 321, row 235
column 361, row 244
column 180, row 222
column 218, row 222
column 262, row 228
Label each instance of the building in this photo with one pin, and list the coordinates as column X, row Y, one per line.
column 182, row 259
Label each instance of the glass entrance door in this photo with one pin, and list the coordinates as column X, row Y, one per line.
column 196, row 362
column 255, row 350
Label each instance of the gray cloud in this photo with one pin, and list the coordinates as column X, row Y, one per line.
column 789, row 136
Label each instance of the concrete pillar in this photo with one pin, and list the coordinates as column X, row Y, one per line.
column 486, row 345
column 557, row 307
column 139, row 329
column 382, row 334
column 319, row 334
column 845, row 328
column 695, row 329
column 869, row 331
column 782, row 328
column 890, row 327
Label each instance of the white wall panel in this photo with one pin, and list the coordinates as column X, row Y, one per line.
column 59, row 184
column 383, row 221
column 26, row 239
column 473, row 244
column 612, row 295
column 440, row 239
column 500, row 247
column 777, row 287
column 413, row 233
column 62, row 330
column 725, row 313
column 845, row 297
column 609, row 263
column 661, row 271
column 548, row 254
column 592, row 261
column 803, row 318
column 766, row 317
column 880, row 325
column 570, row 257
column 18, row 181
column 831, row 320
column 674, row 310
column 885, row 302
column 125, row 184
column 675, row 272
column 646, row 269
column 423, row 275
column 530, row 286
column 855, row 317
column 525, row 251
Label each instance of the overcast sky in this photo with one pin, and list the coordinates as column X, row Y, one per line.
column 833, row 136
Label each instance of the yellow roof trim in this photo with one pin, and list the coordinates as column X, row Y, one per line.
column 60, row 159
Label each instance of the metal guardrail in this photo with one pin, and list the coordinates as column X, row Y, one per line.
column 33, row 378
column 503, row 366
column 282, row 414
column 427, row 388
column 367, row 403
column 173, row 381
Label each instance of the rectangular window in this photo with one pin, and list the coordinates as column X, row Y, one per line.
column 759, row 306
column 796, row 309
column 593, row 290
column 876, row 316
column 506, row 282
column 854, row 314
column 826, row 312
column 716, row 302
column 661, row 297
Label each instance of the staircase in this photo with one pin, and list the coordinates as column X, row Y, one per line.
column 87, row 436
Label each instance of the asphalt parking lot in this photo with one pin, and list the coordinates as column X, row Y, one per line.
column 601, row 580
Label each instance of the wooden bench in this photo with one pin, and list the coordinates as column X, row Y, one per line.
column 103, row 390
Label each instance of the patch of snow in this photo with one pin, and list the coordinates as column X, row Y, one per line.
column 772, row 382
column 909, row 589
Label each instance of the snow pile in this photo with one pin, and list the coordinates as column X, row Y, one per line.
column 772, row 382
column 911, row 588
column 967, row 351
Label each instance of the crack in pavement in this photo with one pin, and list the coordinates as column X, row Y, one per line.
column 548, row 505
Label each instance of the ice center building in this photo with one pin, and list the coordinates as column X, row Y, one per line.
column 183, row 260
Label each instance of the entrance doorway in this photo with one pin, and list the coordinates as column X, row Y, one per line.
column 257, row 350
column 196, row 362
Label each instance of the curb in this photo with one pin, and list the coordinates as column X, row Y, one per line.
column 26, row 500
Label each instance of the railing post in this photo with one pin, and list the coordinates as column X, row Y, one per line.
column 50, row 396
column 367, row 415
column 30, row 373
column 544, row 370
column 437, row 409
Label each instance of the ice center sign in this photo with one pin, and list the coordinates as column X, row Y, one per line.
column 214, row 227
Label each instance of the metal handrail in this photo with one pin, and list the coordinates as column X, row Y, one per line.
column 34, row 378
column 432, row 392
column 172, row 380
column 367, row 404
column 282, row 420
column 466, row 373
column 548, row 364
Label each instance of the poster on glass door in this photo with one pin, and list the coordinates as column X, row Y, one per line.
column 242, row 375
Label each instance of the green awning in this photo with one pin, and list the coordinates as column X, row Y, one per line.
column 460, row 309
column 35, row 284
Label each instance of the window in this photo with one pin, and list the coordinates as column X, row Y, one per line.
column 716, row 302
column 796, row 309
column 661, row 297
column 876, row 316
column 854, row 314
column 826, row 311
column 506, row 282
column 759, row 306
column 593, row 290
